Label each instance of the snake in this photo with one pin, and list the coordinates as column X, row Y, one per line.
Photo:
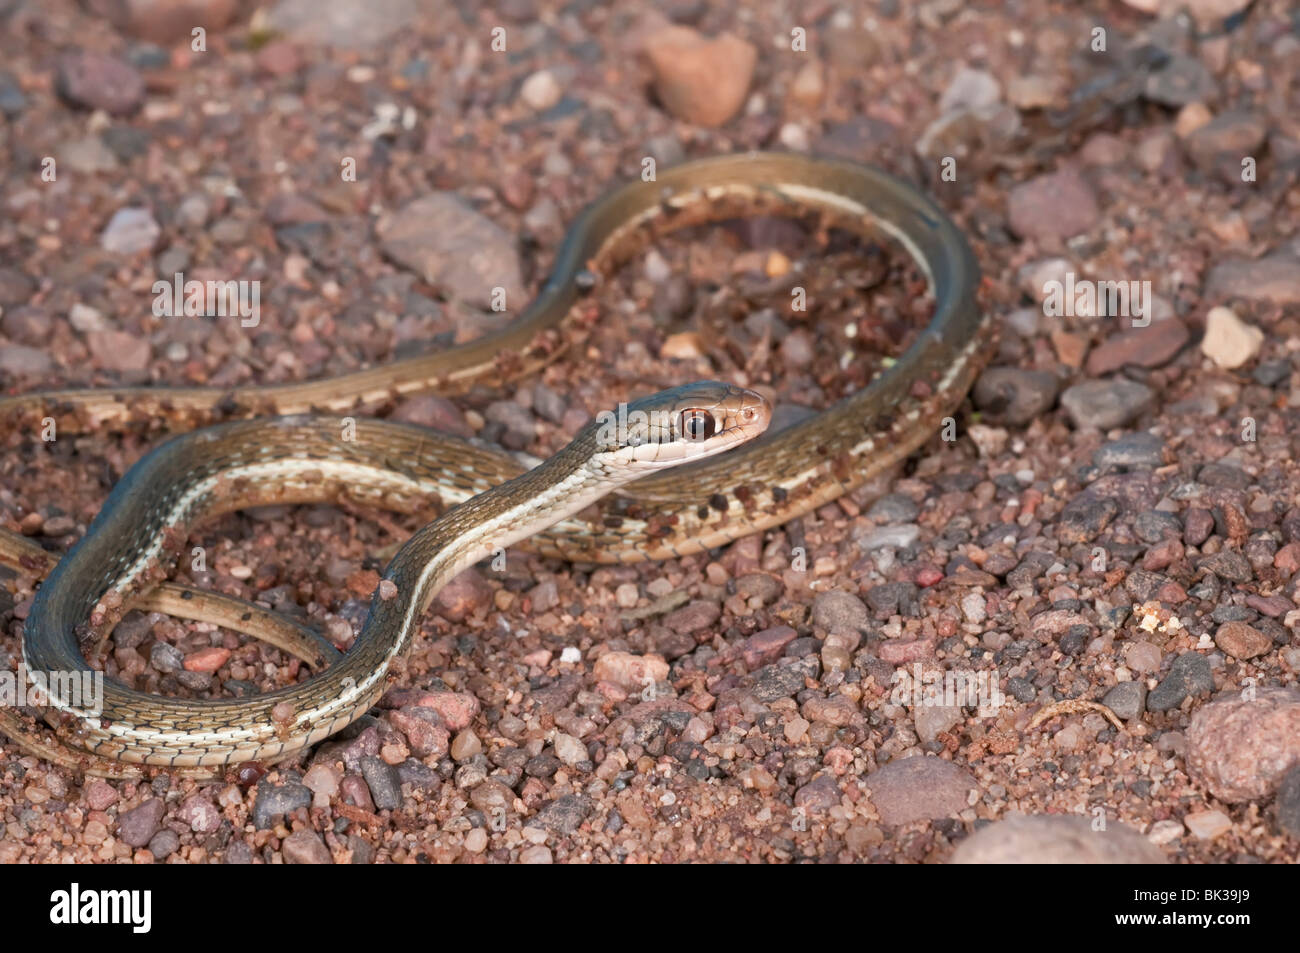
column 300, row 442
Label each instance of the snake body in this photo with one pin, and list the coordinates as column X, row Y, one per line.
column 296, row 458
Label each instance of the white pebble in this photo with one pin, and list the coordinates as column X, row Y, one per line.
column 1229, row 342
column 541, row 90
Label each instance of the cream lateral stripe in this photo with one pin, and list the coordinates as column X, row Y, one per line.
column 515, row 516
column 675, row 514
column 286, row 472
column 847, row 205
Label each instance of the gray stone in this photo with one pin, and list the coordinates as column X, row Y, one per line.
column 165, row 843
column 129, row 231
column 1106, row 404
column 454, row 248
column 1190, row 675
column 1126, row 700
column 1014, row 394
column 781, row 681
column 837, row 611
column 342, row 23
column 564, row 815
column 1132, row 450
column 1288, row 803
column 383, row 781
column 275, row 801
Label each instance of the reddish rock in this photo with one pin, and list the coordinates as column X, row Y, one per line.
column 305, row 847
column 1151, row 346
column 1161, row 555
column 355, row 792
column 1287, row 559
column 1239, row 748
column 424, row 730
column 1234, row 134
column 693, row 616
column 818, row 796
column 763, row 648
column 99, row 81
column 1198, row 524
column 139, row 824
column 1272, row 280
column 207, row 660
column 279, row 58
column 464, row 254
column 467, row 593
column 363, row 582
column 119, row 350
column 1053, row 206
column 1242, row 641
column 902, row 651
column 928, row 576
column 703, row 81
column 1272, row 606
column 632, row 672
column 1171, row 593
column 920, row 788
column 838, row 710
column 200, row 813
column 433, row 411
column 167, row 21
column 457, row 709
column 99, row 795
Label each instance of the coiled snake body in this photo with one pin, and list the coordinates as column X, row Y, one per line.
column 299, row 456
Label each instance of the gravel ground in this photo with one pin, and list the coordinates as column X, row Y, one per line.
column 1116, row 528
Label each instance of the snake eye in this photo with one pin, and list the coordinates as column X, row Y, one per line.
column 698, row 424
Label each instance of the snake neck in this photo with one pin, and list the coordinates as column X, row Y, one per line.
column 483, row 526
column 465, row 534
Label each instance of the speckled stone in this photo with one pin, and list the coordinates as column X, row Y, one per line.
column 1239, row 749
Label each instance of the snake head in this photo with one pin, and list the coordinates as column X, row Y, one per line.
column 677, row 426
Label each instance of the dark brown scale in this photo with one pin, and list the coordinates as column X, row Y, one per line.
column 249, row 773
column 843, row 467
